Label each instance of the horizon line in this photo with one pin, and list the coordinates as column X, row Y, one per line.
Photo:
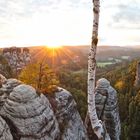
column 25, row 46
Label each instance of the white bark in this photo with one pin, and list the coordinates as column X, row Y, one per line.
column 97, row 125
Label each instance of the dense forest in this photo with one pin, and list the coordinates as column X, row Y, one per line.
column 123, row 79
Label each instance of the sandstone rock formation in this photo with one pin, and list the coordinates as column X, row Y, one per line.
column 70, row 122
column 137, row 81
column 31, row 114
column 5, row 69
column 5, row 133
column 107, row 107
column 17, row 58
column 6, row 88
column 28, row 115
column 107, row 110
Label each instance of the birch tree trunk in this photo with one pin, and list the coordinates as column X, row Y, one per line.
column 97, row 125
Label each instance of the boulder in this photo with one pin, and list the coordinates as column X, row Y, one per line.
column 31, row 114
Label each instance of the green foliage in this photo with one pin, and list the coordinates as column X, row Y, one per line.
column 40, row 76
column 123, row 78
column 81, row 100
column 73, row 79
column 75, row 82
column 134, row 117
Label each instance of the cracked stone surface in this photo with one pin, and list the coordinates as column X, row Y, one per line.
column 31, row 114
column 68, row 117
column 107, row 107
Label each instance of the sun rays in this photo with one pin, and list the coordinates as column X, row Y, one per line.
column 54, row 46
column 56, row 56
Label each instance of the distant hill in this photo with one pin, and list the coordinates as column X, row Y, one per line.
column 79, row 54
column 105, row 52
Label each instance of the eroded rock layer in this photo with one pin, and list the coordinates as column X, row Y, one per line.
column 17, row 58
column 28, row 115
column 70, row 122
column 107, row 107
column 31, row 114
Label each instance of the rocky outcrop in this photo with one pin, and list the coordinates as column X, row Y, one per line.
column 137, row 81
column 7, row 87
column 70, row 122
column 28, row 115
column 107, row 107
column 31, row 114
column 5, row 69
column 17, row 58
column 5, row 133
column 107, row 110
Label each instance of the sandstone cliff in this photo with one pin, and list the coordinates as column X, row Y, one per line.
column 137, row 81
column 5, row 68
column 72, row 127
column 28, row 115
column 107, row 110
column 17, row 58
column 107, row 107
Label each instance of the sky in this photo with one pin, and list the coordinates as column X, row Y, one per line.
column 68, row 22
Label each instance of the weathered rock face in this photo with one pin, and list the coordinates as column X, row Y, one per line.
column 70, row 122
column 137, row 81
column 107, row 107
column 6, row 88
column 17, row 58
column 29, row 116
column 5, row 133
column 5, row 69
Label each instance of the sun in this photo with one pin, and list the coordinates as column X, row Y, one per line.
column 54, row 47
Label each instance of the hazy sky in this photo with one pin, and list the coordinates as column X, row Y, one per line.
column 68, row 22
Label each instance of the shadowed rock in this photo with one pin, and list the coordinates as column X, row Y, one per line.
column 5, row 133
column 70, row 122
column 6, row 88
column 11, row 83
column 107, row 107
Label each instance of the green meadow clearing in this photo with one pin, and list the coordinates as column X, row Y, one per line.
column 103, row 64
